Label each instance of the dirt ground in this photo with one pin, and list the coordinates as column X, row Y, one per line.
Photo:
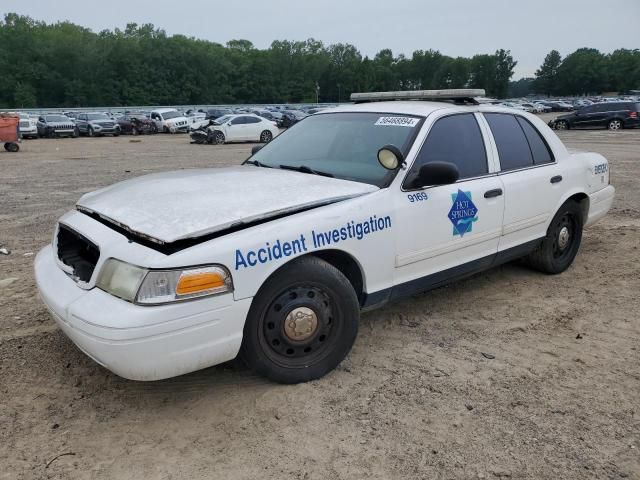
column 509, row 374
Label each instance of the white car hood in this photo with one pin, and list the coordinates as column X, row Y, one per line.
column 172, row 206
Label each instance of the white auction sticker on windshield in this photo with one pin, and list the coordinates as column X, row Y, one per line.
column 398, row 121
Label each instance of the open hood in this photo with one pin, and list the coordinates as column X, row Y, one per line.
column 171, row 206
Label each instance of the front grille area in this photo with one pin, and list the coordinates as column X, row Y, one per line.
column 78, row 253
column 25, row 124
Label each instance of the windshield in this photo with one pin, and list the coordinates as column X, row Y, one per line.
column 344, row 145
column 223, row 119
column 97, row 116
column 56, row 118
column 170, row 115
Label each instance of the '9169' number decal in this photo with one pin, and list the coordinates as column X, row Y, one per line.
column 417, row 197
column 599, row 169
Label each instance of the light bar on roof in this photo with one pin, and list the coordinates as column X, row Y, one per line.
column 448, row 94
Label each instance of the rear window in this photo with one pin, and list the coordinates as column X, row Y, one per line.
column 539, row 148
column 512, row 144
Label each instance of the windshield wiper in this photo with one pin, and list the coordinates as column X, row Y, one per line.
column 257, row 163
column 305, row 169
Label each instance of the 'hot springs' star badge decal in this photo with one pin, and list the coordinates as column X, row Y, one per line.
column 463, row 213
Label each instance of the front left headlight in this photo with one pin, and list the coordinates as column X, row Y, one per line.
column 155, row 287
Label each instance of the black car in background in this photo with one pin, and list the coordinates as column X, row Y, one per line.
column 290, row 118
column 610, row 115
column 136, row 123
column 56, row 125
column 214, row 113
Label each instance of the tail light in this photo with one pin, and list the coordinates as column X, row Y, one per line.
column 633, row 115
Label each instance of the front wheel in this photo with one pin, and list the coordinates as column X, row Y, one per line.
column 90, row 132
column 218, row 138
column 76, row 133
column 266, row 136
column 302, row 323
column 614, row 124
column 560, row 246
column 562, row 125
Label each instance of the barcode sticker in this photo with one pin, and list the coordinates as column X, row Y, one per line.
column 398, row 121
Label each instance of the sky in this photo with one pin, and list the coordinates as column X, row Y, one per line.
column 530, row 29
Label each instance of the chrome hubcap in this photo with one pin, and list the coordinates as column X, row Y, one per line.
column 563, row 238
column 300, row 324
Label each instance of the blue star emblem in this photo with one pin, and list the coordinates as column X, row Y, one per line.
column 463, row 213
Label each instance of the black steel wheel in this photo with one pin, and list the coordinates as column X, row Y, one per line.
column 11, row 147
column 266, row 136
column 302, row 323
column 562, row 242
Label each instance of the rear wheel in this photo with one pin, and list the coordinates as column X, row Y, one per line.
column 134, row 131
column 302, row 323
column 615, row 124
column 266, row 136
column 562, row 242
column 90, row 132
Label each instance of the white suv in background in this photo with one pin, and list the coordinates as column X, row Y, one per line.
column 28, row 126
column 170, row 120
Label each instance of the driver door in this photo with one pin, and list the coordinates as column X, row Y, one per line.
column 236, row 131
column 448, row 231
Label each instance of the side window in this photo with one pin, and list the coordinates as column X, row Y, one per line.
column 513, row 148
column 456, row 139
column 238, row 121
column 539, row 148
column 585, row 110
column 253, row 120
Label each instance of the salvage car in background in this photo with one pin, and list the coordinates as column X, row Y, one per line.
column 135, row 123
column 28, row 126
column 242, row 128
column 609, row 115
column 56, row 125
column 170, row 120
column 96, row 124
column 352, row 208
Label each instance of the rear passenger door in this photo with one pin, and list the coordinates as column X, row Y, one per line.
column 448, row 230
column 530, row 176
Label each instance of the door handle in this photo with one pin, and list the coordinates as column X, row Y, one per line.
column 496, row 192
column 556, row 179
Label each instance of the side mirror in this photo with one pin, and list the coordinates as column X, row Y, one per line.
column 437, row 173
column 390, row 157
column 256, row 149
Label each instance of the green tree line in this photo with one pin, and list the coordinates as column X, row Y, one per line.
column 66, row 65
column 588, row 71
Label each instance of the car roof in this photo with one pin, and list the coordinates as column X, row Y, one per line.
column 415, row 107
column 162, row 110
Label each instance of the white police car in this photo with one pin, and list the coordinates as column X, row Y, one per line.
column 351, row 208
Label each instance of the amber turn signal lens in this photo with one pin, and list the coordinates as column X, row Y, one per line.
column 198, row 282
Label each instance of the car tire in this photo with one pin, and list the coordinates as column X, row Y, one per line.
column 11, row 147
column 90, row 132
column 313, row 296
column 76, row 133
column 134, row 131
column 562, row 242
column 615, row 125
column 266, row 136
column 218, row 138
column 562, row 125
